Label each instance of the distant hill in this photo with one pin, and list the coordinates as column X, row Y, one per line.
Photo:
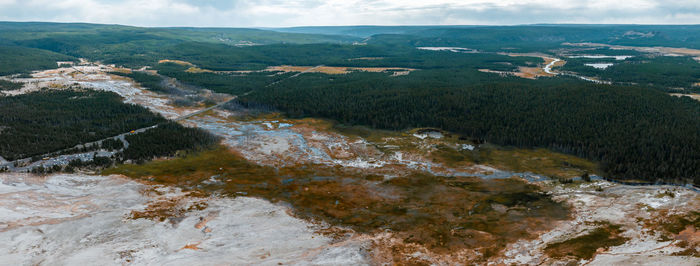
column 545, row 35
column 136, row 46
column 362, row 31
column 25, row 31
column 14, row 59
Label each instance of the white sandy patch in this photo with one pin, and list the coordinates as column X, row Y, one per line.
column 600, row 65
column 429, row 134
column 616, row 57
column 449, row 49
column 95, row 77
column 467, row 147
column 617, row 204
column 269, row 146
column 360, row 163
column 548, row 67
column 651, row 260
column 82, row 220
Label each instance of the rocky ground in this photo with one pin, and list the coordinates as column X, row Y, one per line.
column 85, row 219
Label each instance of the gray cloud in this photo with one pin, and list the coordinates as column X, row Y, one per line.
column 276, row 13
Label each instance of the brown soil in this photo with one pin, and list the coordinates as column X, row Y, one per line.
column 587, row 245
column 179, row 62
column 529, row 72
column 198, row 70
column 163, row 209
column 122, row 70
column 682, row 227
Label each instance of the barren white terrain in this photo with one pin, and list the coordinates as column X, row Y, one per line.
column 85, row 220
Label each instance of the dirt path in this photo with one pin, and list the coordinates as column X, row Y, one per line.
column 291, row 77
column 236, row 96
column 548, row 68
column 11, row 164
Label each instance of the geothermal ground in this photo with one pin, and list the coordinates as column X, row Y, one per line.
column 305, row 191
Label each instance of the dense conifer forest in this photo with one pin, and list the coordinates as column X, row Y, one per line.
column 149, row 81
column 232, row 83
column 663, row 72
column 635, row 133
column 15, row 59
column 9, row 85
column 166, row 140
column 50, row 120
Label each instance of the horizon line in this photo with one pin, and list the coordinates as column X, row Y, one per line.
column 351, row 25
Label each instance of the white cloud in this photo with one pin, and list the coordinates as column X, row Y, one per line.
column 273, row 13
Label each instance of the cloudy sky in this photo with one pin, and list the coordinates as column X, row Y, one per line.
column 281, row 13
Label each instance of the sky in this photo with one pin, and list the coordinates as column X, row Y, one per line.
column 287, row 13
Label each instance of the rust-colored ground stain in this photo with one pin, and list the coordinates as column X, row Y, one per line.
column 191, row 246
column 179, row 62
column 170, row 207
column 529, row 72
column 681, row 227
column 440, row 215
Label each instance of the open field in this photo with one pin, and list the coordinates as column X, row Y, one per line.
column 543, row 70
column 694, row 96
column 179, row 62
column 669, row 51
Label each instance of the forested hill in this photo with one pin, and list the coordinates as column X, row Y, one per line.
column 14, row 59
column 529, row 37
column 635, row 133
column 138, row 46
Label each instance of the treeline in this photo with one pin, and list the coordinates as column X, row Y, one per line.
column 6, row 85
column 226, row 58
column 148, row 81
column 50, row 120
column 635, row 133
column 538, row 38
column 108, row 144
column 141, row 48
column 238, row 83
column 15, row 59
column 166, row 140
column 231, row 83
column 75, row 164
column 664, row 72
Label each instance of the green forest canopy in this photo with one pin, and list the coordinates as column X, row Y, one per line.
column 50, row 120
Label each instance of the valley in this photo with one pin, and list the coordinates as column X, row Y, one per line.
column 349, row 195
column 368, row 145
